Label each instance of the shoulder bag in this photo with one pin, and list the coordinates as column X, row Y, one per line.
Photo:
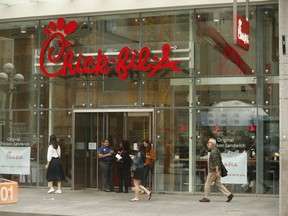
column 224, row 171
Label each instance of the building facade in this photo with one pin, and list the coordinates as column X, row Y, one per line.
column 174, row 75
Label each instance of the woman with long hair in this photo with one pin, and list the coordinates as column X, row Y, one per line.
column 138, row 163
column 54, row 168
column 149, row 162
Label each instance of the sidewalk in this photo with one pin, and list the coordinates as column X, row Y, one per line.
column 34, row 202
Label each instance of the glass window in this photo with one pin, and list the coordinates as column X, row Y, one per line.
column 220, row 89
column 18, row 41
column 62, row 128
column 165, row 92
column 173, row 29
column 58, row 93
column 172, row 150
column 271, row 90
column 217, row 54
column 113, row 92
column 268, row 38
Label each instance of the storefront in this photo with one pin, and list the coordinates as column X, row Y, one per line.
column 206, row 86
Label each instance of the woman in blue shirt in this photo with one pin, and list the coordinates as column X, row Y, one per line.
column 106, row 155
column 138, row 163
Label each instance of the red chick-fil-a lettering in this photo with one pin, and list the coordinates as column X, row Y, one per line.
column 72, row 64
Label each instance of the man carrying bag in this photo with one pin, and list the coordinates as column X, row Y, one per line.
column 214, row 173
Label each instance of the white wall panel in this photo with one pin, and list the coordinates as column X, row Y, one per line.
column 74, row 7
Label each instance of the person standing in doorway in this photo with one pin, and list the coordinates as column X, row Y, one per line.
column 106, row 155
column 214, row 174
column 138, row 164
column 123, row 162
column 54, row 167
column 150, row 158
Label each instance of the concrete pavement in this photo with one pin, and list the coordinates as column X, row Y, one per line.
column 90, row 202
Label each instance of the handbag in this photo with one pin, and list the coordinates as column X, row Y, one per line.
column 132, row 170
column 224, row 171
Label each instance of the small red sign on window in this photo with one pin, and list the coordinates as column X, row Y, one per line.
column 243, row 32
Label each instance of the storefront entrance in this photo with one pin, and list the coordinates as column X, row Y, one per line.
column 91, row 127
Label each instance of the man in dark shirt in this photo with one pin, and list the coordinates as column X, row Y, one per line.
column 214, row 173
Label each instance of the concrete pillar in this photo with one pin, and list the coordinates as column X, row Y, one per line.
column 283, row 100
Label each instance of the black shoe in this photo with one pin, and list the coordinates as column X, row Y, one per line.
column 230, row 197
column 204, row 200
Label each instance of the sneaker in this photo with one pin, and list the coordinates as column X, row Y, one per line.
column 134, row 200
column 51, row 190
column 204, row 200
column 230, row 197
column 58, row 191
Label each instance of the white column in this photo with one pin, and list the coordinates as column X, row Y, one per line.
column 283, row 100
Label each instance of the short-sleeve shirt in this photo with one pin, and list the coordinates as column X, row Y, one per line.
column 104, row 150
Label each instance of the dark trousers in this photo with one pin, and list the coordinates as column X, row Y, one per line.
column 145, row 175
column 124, row 173
column 107, row 173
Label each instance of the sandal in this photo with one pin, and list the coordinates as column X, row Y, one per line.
column 134, row 200
column 150, row 195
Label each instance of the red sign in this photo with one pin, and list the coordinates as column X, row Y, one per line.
column 127, row 60
column 243, row 32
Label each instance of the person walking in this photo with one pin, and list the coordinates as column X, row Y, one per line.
column 150, row 158
column 138, row 163
column 106, row 155
column 123, row 163
column 54, row 167
column 214, row 174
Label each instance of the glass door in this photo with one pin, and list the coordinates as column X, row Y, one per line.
column 91, row 128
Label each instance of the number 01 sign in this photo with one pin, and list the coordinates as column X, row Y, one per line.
column 8, row 191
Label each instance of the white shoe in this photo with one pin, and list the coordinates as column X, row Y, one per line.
column 51, row 190
column 251, row 183
column 58, row 191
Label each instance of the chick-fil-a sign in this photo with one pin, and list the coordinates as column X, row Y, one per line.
column 243, row 32
column 79, row 64
column 15, row 160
